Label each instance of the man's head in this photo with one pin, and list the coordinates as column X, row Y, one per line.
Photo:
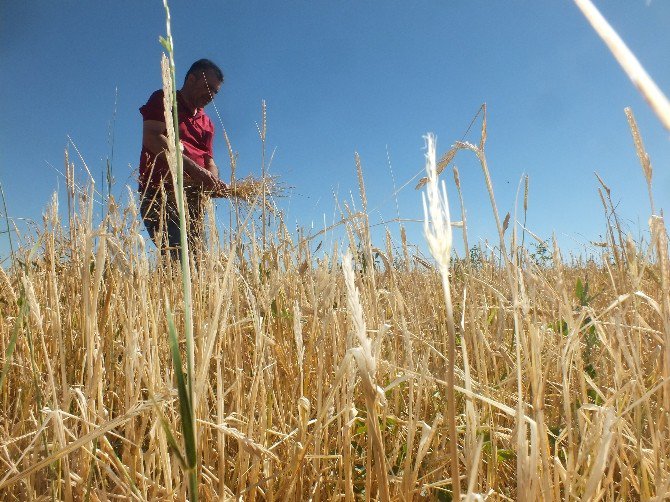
column 202, row 82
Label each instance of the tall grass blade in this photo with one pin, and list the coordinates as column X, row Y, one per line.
column 185, row 410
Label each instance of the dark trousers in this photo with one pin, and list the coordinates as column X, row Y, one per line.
column 161, row 218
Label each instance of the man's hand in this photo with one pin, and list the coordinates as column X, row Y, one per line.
column 218, row 188
column 196, row 175
column 222, row 189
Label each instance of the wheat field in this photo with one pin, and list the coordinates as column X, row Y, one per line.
column 327, row 377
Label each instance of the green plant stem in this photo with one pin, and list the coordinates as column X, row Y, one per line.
column 189, row 429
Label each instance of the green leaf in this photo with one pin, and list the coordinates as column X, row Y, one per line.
column 579, row 291
column 492, row 315
column 185, row 409
column 582, row 292
column 172, row 442
column 590, row 371
column 445, row 495
column 594, row 397
column 401, row 455
column 391, row 424
column 165, row 43
column 561, row 327
column 504, row 454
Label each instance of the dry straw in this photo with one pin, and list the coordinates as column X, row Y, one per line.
column 437, row 229
column 559, row 390
column 256, row 190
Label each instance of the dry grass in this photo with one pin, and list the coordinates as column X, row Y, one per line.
column 252, row 190
column 320, row 381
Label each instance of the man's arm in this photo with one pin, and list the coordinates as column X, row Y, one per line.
column 223, row 190
column 155, row 140
column 211, row 167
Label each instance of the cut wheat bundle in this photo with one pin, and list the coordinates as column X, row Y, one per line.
column 250, row 190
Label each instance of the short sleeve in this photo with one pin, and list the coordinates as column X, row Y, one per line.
column 153, row 109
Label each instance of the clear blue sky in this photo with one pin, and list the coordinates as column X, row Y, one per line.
column 346, row 76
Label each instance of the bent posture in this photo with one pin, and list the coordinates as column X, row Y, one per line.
column 201, row 176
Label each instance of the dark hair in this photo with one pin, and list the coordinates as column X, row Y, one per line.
column 201, row 66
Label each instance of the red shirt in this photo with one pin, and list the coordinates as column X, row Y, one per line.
column 196, row 133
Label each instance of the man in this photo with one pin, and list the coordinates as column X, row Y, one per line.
column 201, row 176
